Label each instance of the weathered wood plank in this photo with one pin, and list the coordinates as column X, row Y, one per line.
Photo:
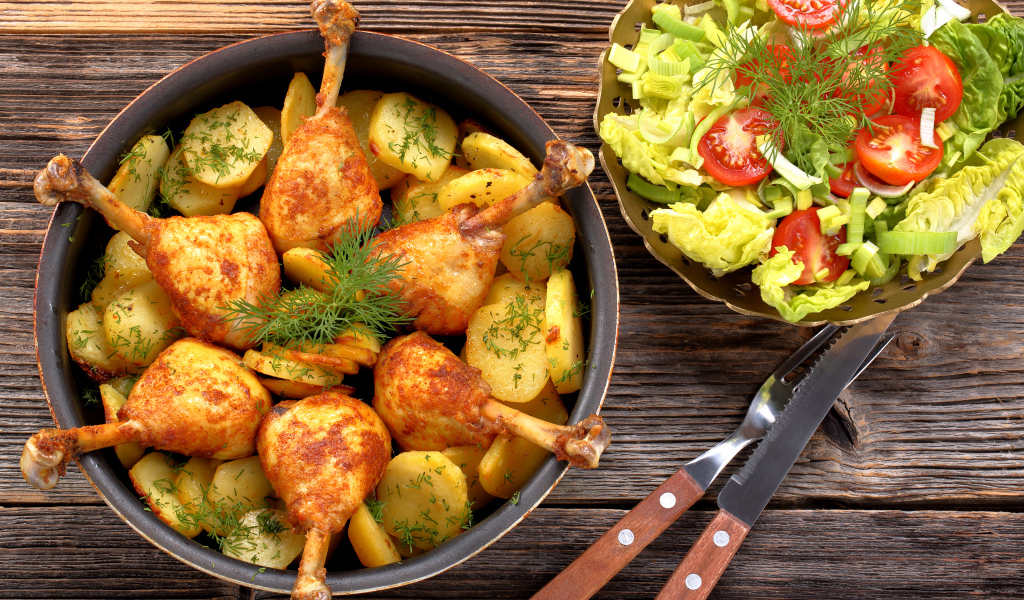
column 794, row 555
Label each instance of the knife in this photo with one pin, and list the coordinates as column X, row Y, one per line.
column 747, row 492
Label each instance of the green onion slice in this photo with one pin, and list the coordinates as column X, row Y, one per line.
column 917, row 242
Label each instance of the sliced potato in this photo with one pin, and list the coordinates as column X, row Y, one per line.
column 278, row 366
column 118, row 283
column 468, row 458
column 338, row 356
column 238, row 486
column 153, row 479
column 295, row 389
column 264, row 537
column 373, row 545
column 113, row 400
column 319, row 359
column 413, row 136
column 271, row 117
column 538, row 242
column 564, row 333
column 504, row 289
column 299, row 105
column 141, row 324
column 483, row 187
column 256, row 180
column 510, row 461
column 425, row 500
column 87, row 342
column 360, row 105
column 192, row 483
column 360, row 336
column 223, row 146
column 307, row 266
column 120, row 255
column 414, row 200
column 135, row 182
column 189, row 196
column 485, row 151
column 506, row 342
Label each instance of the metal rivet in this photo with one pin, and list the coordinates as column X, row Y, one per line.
column 721, row 539
column 668, row 499
column 693, row 581
column 625, row 537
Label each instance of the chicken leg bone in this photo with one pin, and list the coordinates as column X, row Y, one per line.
column 65, row 179
column 580, row 444
column 46, row 454
column 310, row 584
column 338, row 21
column 565, row 167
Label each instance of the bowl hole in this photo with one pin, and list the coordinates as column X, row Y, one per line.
column 1012, row 134
column 937, row 271
column 905, row 280
column 909, row 288
column 739, row 293
column 711, row 277
column 646, row 216
column 980, row 18
column 638, row 26
column 846, row 307
column 627, row 109
column 746, row 286
column 617, row 101
column 876, row 292
column 997, row 134
column 663, row 238
column 686, row 261
column 880, row 300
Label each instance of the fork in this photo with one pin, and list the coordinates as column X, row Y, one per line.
column 641, row 525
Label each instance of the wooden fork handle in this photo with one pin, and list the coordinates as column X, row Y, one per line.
column 704, row 564
column 620, row 544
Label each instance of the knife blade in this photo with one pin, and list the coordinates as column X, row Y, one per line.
column 747, row 492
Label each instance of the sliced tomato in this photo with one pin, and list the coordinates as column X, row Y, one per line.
column 800, row 231
column 891, row 150
column 844, row 184
column 744, row 73
column 923, row 78
column 729, row 148
column 871, row 102
column 809, row 14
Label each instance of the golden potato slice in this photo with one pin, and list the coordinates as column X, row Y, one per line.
column 223, row 146
column 485, row 151
column 113, row 400
column 360, row 105
column 504, row 289
column 468, row 458
column 510, row 461
column 256, row 180
column 425, row 500
column 238, row 486
column 116, row 284
column 135, row 182
column 120, row 255
column 271, row 117
column 414, row 200
column 483, row 187
column 466, row 127
column 299, row 105
column 506, row 342
column 185, row 194
column 264, row 537
column 538, row 242
column 140, row 324
column 413, row 136
column 564, row 333
column 296, row 389
column 373, row 545
column 307, row 267
column 275, row 365
column 153, row 479
column 360, row 336
column 88, row 345
column 192, row 482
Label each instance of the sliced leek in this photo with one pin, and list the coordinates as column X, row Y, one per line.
column 917, row 242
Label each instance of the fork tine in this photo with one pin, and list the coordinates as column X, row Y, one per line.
column 810, row 347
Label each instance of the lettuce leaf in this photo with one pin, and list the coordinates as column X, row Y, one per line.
column 725, row 237
column 775, row 275
column 1002, row 36
column 983, row 199
column 653, row 162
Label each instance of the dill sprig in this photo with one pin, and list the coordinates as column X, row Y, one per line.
column 358, row 291
column 818, row 89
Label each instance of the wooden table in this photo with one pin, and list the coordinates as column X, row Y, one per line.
column 912, row 488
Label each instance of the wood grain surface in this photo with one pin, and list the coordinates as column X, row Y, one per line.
column 910, row 489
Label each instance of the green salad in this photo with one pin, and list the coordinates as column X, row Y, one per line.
column 826, row 145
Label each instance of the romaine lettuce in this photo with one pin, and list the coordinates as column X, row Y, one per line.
column 775, row 275
column 1002, row 36
column 725, row 237
column 653, row 162
column 983, row 199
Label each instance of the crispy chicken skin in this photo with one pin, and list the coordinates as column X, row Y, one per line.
column 449, row 270
column 428, row 398
column 203, row 263
column 320, row 183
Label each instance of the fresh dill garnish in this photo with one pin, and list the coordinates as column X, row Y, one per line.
column 817, row 89
column 93, row 276
column 376, row 508
column 355, row 270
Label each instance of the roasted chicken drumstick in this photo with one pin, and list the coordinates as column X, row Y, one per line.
column 197, row 399
column 203, row 263
column 451, row 258
column 323, row 455
column 431, row 400
column 322, row 180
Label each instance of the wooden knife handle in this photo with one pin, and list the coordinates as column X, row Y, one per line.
column 620, row 544
column 704, row 564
